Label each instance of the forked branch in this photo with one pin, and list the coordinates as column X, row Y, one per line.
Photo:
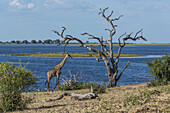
column 113, row 30
column 68, row 38
column 128, row 37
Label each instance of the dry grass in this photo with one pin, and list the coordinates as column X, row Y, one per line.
column 110, row 102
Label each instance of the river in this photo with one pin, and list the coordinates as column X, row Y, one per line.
column 88, row 69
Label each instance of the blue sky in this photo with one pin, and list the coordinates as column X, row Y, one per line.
column 34, row 19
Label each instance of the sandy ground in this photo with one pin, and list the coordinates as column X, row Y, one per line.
column 110, row 102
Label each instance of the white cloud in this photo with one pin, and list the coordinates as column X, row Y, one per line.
column 30, row 5
column 17, row 4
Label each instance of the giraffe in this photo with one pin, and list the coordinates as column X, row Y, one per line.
column 56, row 71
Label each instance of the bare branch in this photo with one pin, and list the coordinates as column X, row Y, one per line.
column 56, row 32
column 107, row 52
column 109, row 30
column 66, row 44
column 119, row 39
column 59, row 44
column 135, row 37
column 98, row 59
column 123, row 71
column 103, row 47
column 65, row 81
column 121, row 45
column 75, row 77
column 129, row 34
column 69, row 38
column 63, row 31
column 116, row 18
column 138, row 33
column 110, row 15
column 94, row 38
column 86, row 34
column 103, row 11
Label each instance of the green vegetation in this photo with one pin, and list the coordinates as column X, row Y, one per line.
column 160, row 70
column 14, row 80
column 97, row 88
column 144, row 97
column 90, row 54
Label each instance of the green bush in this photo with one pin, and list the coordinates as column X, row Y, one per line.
column 14, row 80
column 97, row 88
column 140, row 99
column 160, row 70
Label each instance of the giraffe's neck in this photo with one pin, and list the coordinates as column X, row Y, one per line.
column 61, row 64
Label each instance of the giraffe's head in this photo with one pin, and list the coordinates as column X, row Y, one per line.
column 68, row 55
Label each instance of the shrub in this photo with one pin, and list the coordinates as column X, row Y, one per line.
column 160, row 70
column 142, row 98
column 14, row 80
column 97, row 88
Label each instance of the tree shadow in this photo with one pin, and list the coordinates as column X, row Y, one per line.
column 44, row 107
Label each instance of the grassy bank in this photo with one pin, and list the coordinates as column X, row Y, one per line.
column 72, row 54
column 124, row 99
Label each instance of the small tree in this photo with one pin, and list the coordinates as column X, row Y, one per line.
column 33, row 41
column 18, row 42
column 25, row 42
column 106, row 55
column 39, row 41
column 14, row 80
column 160, row 70
column 13, row 41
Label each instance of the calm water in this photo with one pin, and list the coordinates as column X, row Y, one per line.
column 87, row 68
column 143, row 50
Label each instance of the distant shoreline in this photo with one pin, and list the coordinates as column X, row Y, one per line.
column 135, row 44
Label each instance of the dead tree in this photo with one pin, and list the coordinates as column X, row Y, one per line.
column 74, row 96
column 105, row 54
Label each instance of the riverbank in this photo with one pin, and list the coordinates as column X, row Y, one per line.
column 90, row 54
column 155, row 99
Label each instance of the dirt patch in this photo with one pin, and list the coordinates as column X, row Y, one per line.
column 111, row 101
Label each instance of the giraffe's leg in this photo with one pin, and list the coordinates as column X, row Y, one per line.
column 48, row 86
column 58, row 78
column 57, row 83
column 57, row 75
column 48, row 83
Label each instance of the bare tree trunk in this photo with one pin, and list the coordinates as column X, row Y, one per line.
column 112, row 81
